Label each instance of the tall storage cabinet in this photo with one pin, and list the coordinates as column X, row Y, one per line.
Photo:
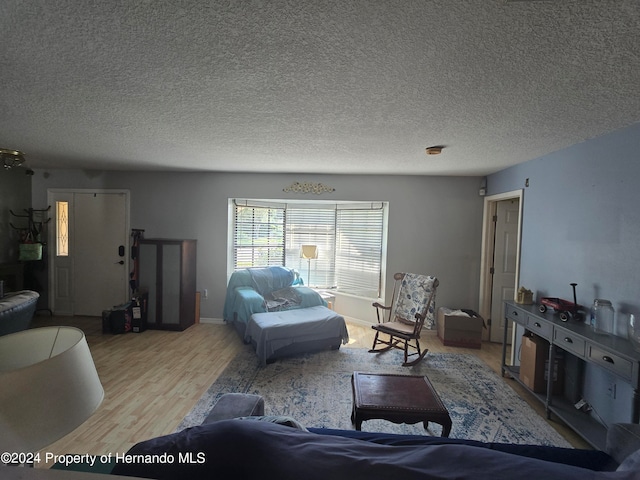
column 167, row 270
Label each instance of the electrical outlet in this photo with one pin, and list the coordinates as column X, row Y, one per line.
column 611, row 391
column 205, row 293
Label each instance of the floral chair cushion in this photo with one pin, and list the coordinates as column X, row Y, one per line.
column 413, row 296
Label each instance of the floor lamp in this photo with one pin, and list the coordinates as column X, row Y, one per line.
column 48, row 386
column 309, row 252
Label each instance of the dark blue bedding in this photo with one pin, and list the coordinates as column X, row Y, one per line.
column 236, row 449
column 591, row 459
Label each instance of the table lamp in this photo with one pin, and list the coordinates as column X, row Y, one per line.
column 309, row 252
column 48, row 386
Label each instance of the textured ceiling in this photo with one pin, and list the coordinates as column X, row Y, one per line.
column 334, row 86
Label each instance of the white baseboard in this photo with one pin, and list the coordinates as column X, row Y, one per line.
column 364, row 323
column 214, row 321
column 357, row 321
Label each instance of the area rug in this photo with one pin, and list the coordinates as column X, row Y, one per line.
column 315, row 389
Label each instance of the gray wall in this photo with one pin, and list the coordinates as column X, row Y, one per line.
column 15, row 195
column 435, row 222
column 581, row 223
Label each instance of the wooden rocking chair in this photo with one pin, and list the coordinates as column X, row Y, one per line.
column 414, row 303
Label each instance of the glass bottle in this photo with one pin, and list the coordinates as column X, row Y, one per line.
column 602, row 316
column 634, row 331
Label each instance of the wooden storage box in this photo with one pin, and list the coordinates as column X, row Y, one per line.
column 455, row 330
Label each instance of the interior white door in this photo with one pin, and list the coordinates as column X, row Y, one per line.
column 505, row 253
column 99, row 250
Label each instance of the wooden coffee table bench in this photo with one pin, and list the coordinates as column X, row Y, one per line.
column 398, row 399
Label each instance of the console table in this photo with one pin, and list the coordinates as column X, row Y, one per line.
column 614, row 354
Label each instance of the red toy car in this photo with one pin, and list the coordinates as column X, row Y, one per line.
column 567, row 310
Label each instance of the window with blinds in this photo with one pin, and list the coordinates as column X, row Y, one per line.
column 350, row 240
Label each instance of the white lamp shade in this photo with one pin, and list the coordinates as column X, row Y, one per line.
column 309, row 252
column 48, row 386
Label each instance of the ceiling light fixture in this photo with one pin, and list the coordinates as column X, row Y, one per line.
column 435, row 150
column 11, row 158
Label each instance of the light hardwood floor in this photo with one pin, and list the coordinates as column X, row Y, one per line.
column 153, row 379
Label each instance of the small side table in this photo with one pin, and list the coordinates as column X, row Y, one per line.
column 398, row 399
column 328, row 297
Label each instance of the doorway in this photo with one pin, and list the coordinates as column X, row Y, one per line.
column 500, row 267
column 88, row 264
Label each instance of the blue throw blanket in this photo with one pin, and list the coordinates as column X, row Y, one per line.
column 266, row 280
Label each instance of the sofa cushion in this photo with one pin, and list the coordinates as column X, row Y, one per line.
column 16, row 311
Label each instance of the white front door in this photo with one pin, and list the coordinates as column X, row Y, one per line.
column 94, row 275
column 505, row 255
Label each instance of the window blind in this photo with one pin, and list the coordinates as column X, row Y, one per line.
column 359, row 243
column 312, row 226
column 258, row 236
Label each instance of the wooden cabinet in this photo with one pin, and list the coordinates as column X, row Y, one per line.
column 168, row 272
column 613, row 354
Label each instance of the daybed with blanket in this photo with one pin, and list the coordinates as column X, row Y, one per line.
column 264, row 289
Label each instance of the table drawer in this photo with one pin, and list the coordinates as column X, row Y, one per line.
column 539, row 327
column 516, row 314
column 610, row 361
column 569, row 341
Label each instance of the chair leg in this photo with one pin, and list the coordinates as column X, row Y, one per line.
column 406, row 351
column 376, row 341
column 395, row 342
column 420, row 354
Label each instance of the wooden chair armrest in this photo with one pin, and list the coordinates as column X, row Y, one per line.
column 379, row 305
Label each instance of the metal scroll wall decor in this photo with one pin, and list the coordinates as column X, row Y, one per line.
column 308, row 187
